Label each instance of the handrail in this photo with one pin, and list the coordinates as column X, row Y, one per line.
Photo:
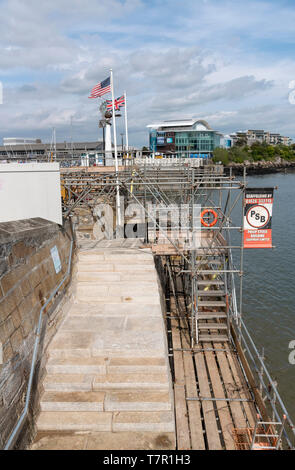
column 268, row 388
column 18, row 426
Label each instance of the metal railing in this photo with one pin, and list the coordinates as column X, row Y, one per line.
column 18, row 427
column 267, row 386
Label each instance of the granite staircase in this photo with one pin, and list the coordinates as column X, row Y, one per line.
column 108, row 366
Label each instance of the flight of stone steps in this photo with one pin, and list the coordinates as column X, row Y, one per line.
column 108, row 365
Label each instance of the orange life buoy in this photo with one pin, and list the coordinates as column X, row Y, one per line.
column 209, row 211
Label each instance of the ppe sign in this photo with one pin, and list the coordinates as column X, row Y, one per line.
column 257, row 218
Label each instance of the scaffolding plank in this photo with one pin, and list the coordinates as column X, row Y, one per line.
column 225, row 419
column 181, row 418
column 194, row 407
column 182, row 423
column 231, row 388
column 244, row 390
column 212, row 433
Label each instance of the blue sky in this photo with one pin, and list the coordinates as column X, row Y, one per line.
column 228, row 61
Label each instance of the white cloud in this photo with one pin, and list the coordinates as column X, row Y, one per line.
column 174, row 59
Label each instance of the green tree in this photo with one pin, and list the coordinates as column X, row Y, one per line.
column 220, row 155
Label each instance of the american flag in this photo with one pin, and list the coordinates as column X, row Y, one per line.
column 101, row 88
column 118, row 103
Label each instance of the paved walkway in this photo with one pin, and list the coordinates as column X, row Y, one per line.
column 108, row 373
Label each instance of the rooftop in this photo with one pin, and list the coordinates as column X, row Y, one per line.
column 198, row 124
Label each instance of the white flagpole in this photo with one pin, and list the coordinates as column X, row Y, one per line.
column 126, row 125
column 118, row 208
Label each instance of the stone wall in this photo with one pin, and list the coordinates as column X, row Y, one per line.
column 27, row 278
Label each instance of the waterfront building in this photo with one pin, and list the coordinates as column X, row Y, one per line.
column 36, row 150
column 19, row 141
column 252, row 136
column 186, row 137
column 226, row 142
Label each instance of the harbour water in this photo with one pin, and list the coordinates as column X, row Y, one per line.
column 269, row 286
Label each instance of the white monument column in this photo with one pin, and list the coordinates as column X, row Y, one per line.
column 108, row 145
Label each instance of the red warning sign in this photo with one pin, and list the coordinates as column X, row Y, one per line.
column 257, row 218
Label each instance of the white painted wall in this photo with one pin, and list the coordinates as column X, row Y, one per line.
column 30, row 190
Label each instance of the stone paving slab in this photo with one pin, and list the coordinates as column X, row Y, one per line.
column 68, row 382
column 75, row 420
column 87, row 365
column 136, row 364
column 73, row 401
column 127, row 381
column 138, row 400
column 162, row 421
column 104, row 440
column 113, row 309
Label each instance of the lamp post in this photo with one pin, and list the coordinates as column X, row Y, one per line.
column 122, row 137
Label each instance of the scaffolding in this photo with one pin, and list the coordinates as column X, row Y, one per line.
column 200, row 267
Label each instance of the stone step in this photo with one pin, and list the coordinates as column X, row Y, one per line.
column 87, row 365
column 114, row 255
column 86, row 382
column 114, row 309
column 72, row 401
column 97, row 260
column 87, row 255
column 132, row 381
column 148, row 309
column 116, row 267
column 94, row 289
column 146, row 276
column 119, row 352
column 119, row 365
column 137, row 400
column 102, row 365
column 159, row 421
column 74, row 421
column 68, row 382
column 123, row 267
column 145, row 258
column 90, row 276
column 95, row 267
column 89, row 294
column 116, row 278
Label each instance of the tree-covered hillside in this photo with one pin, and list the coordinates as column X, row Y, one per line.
column 257, row 152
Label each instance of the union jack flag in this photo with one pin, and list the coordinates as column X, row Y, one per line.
column 118, row 103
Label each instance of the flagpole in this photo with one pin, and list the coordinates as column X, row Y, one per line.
column 126, row 125
column 118, row 208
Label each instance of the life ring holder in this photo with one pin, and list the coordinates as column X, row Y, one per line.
column 209, row 211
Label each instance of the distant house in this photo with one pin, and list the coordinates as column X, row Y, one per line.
column 252, row 136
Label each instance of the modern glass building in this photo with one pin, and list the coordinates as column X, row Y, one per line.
column 185, row 138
